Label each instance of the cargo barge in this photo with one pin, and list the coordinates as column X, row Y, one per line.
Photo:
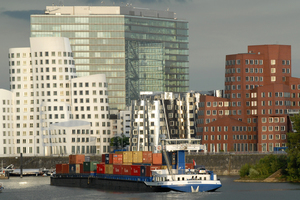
column 141, row 171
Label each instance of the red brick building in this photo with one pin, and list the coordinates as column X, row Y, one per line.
column 259, row 92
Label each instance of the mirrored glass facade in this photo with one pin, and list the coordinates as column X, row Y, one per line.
column 136, row 53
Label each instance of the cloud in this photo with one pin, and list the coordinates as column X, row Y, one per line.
column 21, row 14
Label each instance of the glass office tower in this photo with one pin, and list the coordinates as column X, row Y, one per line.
column 137, row 49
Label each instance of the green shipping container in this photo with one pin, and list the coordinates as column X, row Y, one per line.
column 90, row 166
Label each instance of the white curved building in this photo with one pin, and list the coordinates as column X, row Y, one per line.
column 45, row 92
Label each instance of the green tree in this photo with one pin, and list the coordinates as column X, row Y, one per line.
column 119, row 142
column 293, row 144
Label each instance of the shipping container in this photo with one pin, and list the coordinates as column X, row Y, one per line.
column 65, row 168
column 111, row 158
column 81, row 168
column 147, row 156
column 117, row 169
column 90, row 166
column 127, row 156
column 126, row 169
column 76, row 159
column 74, row 168
column 137, row 156
column 106, row 158
column 157, row 159
column 103, row 158
column 189, row 166
column 101, row 168
column 117, row 159
column 135, row 170
column 58, row 168
column 109, row 169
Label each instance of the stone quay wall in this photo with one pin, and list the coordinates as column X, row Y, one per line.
column 221, row 164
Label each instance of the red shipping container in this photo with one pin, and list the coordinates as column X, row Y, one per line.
column 189, row 166
column 153, row 167
column 135, row 170
column 110, row 158
column 81, row 168
column 65, row 168
column 58, row 168
column 157, row 159
column 117, row 169
column 101, row 168
column 118, row 159
column 147, row 156
column 76, row 159
column 103, row 158
column 126, row 169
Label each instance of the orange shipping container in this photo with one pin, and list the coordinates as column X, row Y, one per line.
column 157, row 159
column 58, row 168
column 118, row 159
column 76, row 159
column 137, row 156
column 147, row 156
column 65, row 168
column 111, row 158
column 127, row 156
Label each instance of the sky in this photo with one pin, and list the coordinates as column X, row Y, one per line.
column 216, row 28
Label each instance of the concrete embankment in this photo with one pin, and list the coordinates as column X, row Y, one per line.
column 227, row 164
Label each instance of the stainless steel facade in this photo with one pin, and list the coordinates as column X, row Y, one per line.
column 162, row 115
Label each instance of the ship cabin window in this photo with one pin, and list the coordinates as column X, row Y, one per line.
column 192, row 177
column 204, row 178
column 200, row 178
column 183, row 178
column 196, row 177
column 178, row 178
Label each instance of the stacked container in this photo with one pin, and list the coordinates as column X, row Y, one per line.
column 58, row 168
column 127, row 157
column 137, row 157
column 109, row 169
column 90, row 167
column 147, row 157
column 101, row 168
column 65, row 168
column 118, row 159
column 117, row 169
column 126, row 170
column 157, row 159
column 76, row 159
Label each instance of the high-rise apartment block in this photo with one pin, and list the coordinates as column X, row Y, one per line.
column 49, row 111
column 259, row 94
column 137, row 49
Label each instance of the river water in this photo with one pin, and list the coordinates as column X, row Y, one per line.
column 36, row 188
